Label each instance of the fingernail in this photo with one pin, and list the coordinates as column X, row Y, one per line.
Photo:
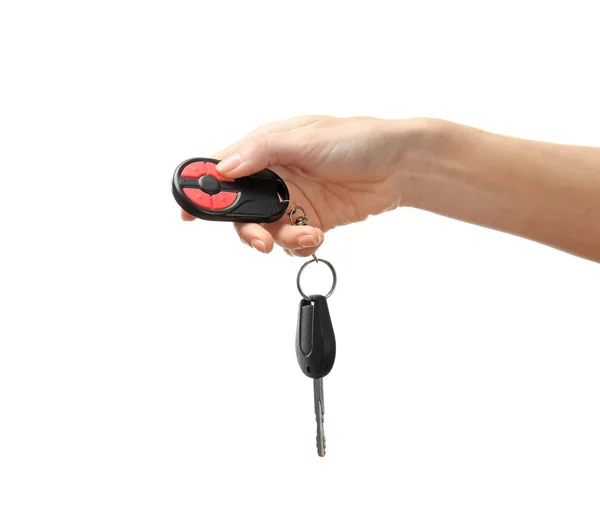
column 229, row 164
column 306, row 241
column 311, row 240
column 258, row 245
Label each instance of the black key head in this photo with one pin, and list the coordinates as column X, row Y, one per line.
column 315, row 339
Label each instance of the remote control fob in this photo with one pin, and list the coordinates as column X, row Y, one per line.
column 202, row 192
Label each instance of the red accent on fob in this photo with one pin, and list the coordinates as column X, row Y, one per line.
column 199, row 197
column 194, row 170
column 224, row 199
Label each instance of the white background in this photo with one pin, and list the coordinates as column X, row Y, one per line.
column 147, row 366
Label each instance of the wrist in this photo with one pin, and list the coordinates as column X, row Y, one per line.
column 437, row 161
column 423, row 152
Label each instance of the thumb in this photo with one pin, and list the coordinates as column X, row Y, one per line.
column 260, row 151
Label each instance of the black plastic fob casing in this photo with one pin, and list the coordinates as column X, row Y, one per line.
column 315, row 339
column 202, row 192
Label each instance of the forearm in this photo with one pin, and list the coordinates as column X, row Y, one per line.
column 549, row 193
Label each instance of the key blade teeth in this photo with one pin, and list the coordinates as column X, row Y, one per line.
column 321, row 444
column 320, row 449
column 319, row 411
column 320, row 432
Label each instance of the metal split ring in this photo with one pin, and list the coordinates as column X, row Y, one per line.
column 313, row 261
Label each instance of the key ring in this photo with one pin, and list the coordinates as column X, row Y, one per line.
column 302, row 220
column 333, row 273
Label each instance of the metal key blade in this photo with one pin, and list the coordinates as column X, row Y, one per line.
column 319, row 413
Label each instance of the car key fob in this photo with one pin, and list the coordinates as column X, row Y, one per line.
column 202, row 192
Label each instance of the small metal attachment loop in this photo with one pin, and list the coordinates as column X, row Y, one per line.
column 302, row 220
column 333, row 273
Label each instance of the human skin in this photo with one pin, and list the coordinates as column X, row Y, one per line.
column 343, row 170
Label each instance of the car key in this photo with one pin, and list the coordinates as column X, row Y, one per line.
column 315, row 352
column 202, row 192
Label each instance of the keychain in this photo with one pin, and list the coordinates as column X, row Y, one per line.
column 263, row 197
column 315, row 339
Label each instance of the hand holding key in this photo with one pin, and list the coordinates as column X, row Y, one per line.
column 341, row 170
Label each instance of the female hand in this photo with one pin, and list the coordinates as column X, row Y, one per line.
column 340, row 170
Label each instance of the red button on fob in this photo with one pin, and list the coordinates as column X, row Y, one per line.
column 194, row 170
column 199, row 197
column 224, row 200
